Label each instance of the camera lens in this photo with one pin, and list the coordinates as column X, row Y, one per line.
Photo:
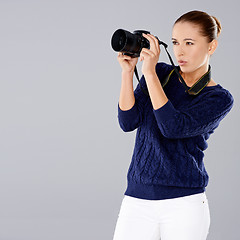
column 129, row 43
column 119, row 40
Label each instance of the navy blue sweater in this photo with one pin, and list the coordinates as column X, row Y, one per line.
column 167, row 160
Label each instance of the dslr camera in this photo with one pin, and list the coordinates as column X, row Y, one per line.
column 131, row 44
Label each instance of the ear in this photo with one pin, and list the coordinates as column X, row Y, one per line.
column 212, row 46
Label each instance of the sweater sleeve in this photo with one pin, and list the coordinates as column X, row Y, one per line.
column 132, row 118
column 201, row 117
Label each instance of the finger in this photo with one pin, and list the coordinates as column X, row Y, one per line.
column 156, row 42
column 151, row 41
column 154, row 46
column 144, row 56
column 119, row 55
column 147, row 52
column 124, row 57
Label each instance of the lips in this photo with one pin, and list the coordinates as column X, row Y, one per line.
column 181, row 62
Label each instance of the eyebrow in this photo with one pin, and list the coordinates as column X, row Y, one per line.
column 186, row 39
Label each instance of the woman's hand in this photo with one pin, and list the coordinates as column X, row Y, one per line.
column 127, row 63
column 150, row 56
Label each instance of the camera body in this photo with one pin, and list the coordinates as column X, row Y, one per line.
column 130, row 44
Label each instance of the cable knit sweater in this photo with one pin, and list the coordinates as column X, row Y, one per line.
column 167, row 160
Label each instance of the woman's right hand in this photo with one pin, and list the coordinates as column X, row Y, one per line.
column 127, row 63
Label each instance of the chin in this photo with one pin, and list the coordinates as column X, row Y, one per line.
column 186, row 69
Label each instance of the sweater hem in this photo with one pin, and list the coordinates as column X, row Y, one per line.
column 158, row 192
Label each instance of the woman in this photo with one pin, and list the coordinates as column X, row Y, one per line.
column 165, row 197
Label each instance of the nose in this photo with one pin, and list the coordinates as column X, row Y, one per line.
column 180, row 51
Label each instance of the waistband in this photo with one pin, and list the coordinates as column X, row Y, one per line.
column 158, row 192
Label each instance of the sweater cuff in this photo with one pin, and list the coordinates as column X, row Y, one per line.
column 129, row 114
column 165, row 113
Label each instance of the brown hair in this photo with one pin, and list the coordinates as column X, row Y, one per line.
column 210, row 26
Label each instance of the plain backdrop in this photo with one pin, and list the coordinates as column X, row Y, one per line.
column 63, row 156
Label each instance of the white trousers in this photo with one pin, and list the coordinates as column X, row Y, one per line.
column 182, row 218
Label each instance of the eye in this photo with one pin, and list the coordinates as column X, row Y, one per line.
column 189, row 43
column 174, row 42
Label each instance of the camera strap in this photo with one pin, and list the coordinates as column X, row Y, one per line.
column 194, row 90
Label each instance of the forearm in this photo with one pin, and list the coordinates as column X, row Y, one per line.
column 126, row 99
column 156, row 92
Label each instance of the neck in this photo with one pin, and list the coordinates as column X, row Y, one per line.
column 192, row 77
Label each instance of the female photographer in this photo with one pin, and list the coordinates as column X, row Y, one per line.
column 165, row 197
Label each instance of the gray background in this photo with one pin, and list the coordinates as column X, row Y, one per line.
column 63, row 156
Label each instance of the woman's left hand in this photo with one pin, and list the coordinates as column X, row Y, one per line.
column 150, row 56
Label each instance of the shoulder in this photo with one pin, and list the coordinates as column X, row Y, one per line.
column 162, row 66
column 223, row 93
column 162, row 70
column 218, row 97
column 226, row 96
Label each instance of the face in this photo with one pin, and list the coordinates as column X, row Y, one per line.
column 191, row 49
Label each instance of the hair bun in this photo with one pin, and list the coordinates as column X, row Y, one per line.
column 219, row 27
